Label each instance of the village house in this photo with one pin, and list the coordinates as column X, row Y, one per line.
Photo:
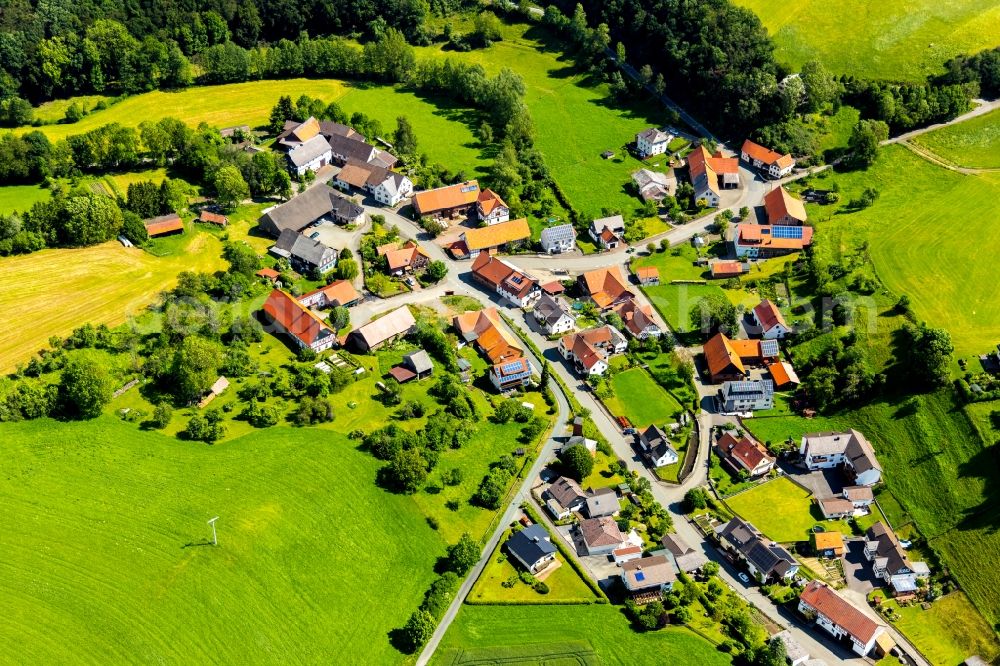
column 298, row 322
column 385, row 186
column 827, row 544
column 590, row 350
column 311, row 155
column 564, row 497
column 484, row 329
column 652, row 574
column 686, row 558
column 268, row 274
column 722, row 270
column 608, row 232
column 746, row 396
column 657, row 448
column 491, row 209
column 510, row 375
column 710, row 174
column 626, row 554
column 653, row 185
column 318, row 204
column 605, row 287
column 638, row 319
column 164, row 225
column 407, row 258
column 340, row 293
column 416, row 365
column 890, row 561
column 766, row 560
column 744, row 454
column 841, row 620
column 551, row 317
column 728, row 359
column 652, row 141
column 768, row 317
column 861, row 497
column 850, row 451
column 602, row 502
column 783, row 209
column 774, row 165
column 783, row 375
column 304, row 253
column 295, row 133
column 448, row 201
column 601, row 535
column 500, row 237
column 397, row 324
column 500, row 277
column 762, row 241
column 558, row 239
column 532, row 547
column 647, row 276
column 835, row 508
column 351, row 148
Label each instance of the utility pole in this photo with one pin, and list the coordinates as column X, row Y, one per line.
column 215, row 538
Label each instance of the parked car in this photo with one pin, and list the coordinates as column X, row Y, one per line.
column 743, row 577
column 314, row 235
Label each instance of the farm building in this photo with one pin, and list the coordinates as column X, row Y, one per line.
column 771, row 163
column 311, row 155
column 448, row 201
column 648, row 275
column 397, row 324
column 783, row 375
column 209, row 217
column 483, row 328
column 710, row 174
column 298, row 322
column 164, row 225
column 304, row 253
column 653, row 185
column 492, row 239
column 340, row 293
column 763, row 241
column 316, row 205
column 728, row 269
column 784, row 209
column 490, row 208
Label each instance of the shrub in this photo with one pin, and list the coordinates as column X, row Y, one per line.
column 540, row 587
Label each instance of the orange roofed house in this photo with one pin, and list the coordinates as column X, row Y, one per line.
column 590, row 350
column 498, row 276
column 771, row 163
column 784, row 209
column 763, row 240
column 298, row 322
column 727, row 269
column 491, row 208
column 606, row 287
column 336, row 294
column 492, row 239
column 710, row 174
column 409, row 257
column 508, row 366
column 447, row 201
column 728, row 360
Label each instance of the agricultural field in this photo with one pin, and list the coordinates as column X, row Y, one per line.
column 921, row 228
column 106, row 523
column 575, row 118
column 443, row 130
column 566, row 634
column 102, row 284
column 949, row 631
column 974, row 143
column 19, row 198
column 894, row 40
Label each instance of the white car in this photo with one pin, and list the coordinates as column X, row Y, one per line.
column 743, row 577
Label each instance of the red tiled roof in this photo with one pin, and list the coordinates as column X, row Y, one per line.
column 496, row 235
column 744, row 451
column 268, row 273
column 719, row 354
column 783, row 374
column 839, row 611
column 647, row 273
column 605, row 285
column 450, row 196
column 726, row 269
column 553, row 288
column 402, row 374
column 296, row 319
column 164, row 224
column 489, row 200
column 214, row 218
column 779, row 203
column 762, row 236
column 758, row 152
column 769, row 315
column 338, row 293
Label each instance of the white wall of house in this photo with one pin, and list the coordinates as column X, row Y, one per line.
column 668, row 458
column 709, row 196
column 564, row 324
column 496, row 216
column 646, row 148
column 315, row 164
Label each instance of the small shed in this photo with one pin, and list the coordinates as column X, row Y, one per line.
column 164, row 225
column 608, row 154
column 419, row 362
column 220, row 385
column 209, row 217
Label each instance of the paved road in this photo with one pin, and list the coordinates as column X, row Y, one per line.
column 982, row 107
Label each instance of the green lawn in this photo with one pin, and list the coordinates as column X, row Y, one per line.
column 949, row 631
column 105, row 557
column 602, row 476
column 780, row 509
column 974, row 143
column 55, row 111
column 641, row 400
column 576, row 120
column 919, row 230
column 565, row 585
column 895, row 40
column 566, row 635
column 19, row 198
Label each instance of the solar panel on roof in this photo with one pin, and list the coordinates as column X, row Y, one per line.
column 470, row 188
column 769, row 347
column 639, row 576
column 786, row 232
column 511, row 367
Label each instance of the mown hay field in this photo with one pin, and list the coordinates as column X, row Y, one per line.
column 974, row 143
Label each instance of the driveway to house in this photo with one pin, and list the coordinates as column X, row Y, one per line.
column 857, row 569
column 823, row 483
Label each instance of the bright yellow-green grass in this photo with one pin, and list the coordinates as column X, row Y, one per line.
column 974, row 143
column 105, row 554
column 54, row 111
column 601, row 475
column 949, row 631
column 894, row 39
column 596, row 633
column 53, row 291
column 19, row 198
column 641, row 400
column 931, row 237
column 441, row 131
column 565, row 585
column 576, row 120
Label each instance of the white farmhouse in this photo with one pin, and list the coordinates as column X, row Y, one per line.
column 558, row 239
column 652, row 142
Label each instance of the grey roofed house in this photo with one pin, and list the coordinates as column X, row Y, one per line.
column 304, row 251
column 375, row 333
column 767, row 557
column 309, row 151
column 351, row 148
column 852, row 444
column 567, row 492
column 420, row 362
column 654, row 135
column 602, row 502
column 531, row 546
column 685, row 557
column 653, row 185
column 316, row 203
column 329, row 128
column 616, row 223
column 656, row 442
column 548, row 310
column 383, row 158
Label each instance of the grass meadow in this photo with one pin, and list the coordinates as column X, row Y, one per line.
column 894, row 40
column 54, row 291
column 974, row 143
column 19, row 198
column 930, row 238
column 640, row 399
column 947, row 632
column 590, row 634
column 105, row 555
